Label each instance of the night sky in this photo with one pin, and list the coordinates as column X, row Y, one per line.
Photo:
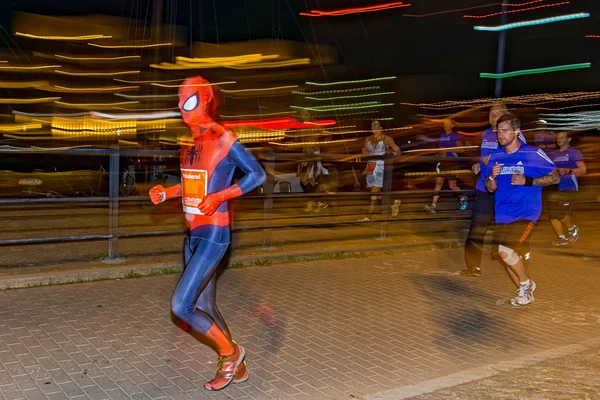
column 435, row 58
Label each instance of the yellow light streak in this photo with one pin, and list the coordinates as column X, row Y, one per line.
column 259, row 89
column 274, row 64
column 19, row 127
column 145, row 96
column 29, row 67
column 28, row 101
column 224, row 60
column 146, row 109
column 61, row 89
column 153, row 81
column 132, row 46
column 310, row 143
column 96, row 58
column 97, row 73
column 84, row 37
column 94, row 105
column 349, row 97
column 22, row 85
column 206, row 84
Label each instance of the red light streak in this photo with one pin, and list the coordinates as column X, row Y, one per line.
column 516, row 11
column 346, row 11
column 592, row 36
column 279, row 123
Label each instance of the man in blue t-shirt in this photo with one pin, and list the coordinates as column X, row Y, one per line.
column 516, row 176
column 483, row 206
column 570, row 165
column 448, row 140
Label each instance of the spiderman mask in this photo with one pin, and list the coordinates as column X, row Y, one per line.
column 197, row 104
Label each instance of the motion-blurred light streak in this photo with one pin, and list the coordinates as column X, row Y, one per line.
column 355, row 10
column 535, row 71
column 522, row 24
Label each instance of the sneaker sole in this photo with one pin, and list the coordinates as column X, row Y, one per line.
column 430, row 210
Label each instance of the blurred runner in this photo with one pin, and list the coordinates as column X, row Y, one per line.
column 448, row 139
column 376, row 145
column 570, row 164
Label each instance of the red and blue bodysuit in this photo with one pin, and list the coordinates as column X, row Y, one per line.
column 208, row 160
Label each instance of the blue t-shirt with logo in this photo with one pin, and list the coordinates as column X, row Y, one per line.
column 449, row 140
column 513, row 202
column 567, row 159
column 489, row 145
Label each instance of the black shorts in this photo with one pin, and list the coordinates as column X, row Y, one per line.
column 559, row 203
column 514, row 235
column 448, row 165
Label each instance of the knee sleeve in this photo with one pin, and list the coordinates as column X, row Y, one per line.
column 512, row 258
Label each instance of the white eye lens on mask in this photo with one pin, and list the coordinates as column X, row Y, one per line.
column 191, row 103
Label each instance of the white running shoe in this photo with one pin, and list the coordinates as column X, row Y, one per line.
column 395, row 208
column 524, row 295
column 430, row 208
column 573, row 234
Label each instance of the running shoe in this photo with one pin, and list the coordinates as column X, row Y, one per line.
column 573, row 234
column 226, row 368
column 561, row 241
column 321, row 206
column 464, row 203
column 310, row 205
column 430, row 208
column 476, row 273
column 524, row 295
column 395, row 207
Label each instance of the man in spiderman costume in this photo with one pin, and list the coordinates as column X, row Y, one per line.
column 208, row 159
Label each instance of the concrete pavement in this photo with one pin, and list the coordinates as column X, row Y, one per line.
column 380, row 327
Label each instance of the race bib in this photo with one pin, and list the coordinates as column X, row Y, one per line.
column 193, row 187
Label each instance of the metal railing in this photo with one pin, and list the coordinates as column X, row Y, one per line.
column 268, row 159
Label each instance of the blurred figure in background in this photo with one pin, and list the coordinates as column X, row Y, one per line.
column 483, row 207
column 448, row 139
column 376, row 145
column 570, row 165
column 543, row 138
column 314, row 178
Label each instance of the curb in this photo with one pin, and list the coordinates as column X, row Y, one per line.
column 117, row 271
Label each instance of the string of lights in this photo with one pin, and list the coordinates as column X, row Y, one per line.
column 535, row 71
column 348, row 97
column 355, row 10
column 339, row 90
column 471, row 8
column 386, row 78
column 522, row 24
column 516, row 11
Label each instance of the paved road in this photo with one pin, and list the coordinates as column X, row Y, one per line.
column 364, row 328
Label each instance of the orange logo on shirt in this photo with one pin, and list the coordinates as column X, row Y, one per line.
column 193, row 186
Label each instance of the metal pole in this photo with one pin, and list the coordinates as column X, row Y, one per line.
column 501, row 49
column 113, row 204
column 268, row 203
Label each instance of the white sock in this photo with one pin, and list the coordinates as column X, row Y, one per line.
column 525, row 283
column 562, row 236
